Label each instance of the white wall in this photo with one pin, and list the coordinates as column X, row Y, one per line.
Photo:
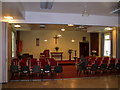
column 0, row 52
column 65, row 18
column 3, row 53
column 64, row 42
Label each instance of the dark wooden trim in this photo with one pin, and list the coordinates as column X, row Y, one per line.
column 102, row 45
column 17, row 43
column 94, row 38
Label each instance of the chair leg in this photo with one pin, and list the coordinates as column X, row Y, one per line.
column 62, row 75
column 87, row 72
column 20, row 76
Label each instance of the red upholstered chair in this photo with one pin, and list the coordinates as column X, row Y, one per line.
column 118, row 60
column 93, row 59
column 99, row 59
column 51, row 59
column 52, row 62
column 113, row 61
column 87, row 57
column 89, row 62
column 106, row 58
column 33, row 62
column 14, row 61
column 43, row 63
column 77, row 60
column 45, row 54
column 23, row 62
column 105, row 62
column 98, row 62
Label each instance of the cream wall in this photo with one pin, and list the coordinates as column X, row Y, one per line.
column 114, row 42
column 99, row 44
column 9, row 44
column 64, row 43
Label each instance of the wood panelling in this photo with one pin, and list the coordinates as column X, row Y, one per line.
column 94, row 38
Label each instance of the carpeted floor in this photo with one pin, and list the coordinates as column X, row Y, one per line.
column 67, row 62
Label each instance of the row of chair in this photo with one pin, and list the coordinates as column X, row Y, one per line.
column 31, row 62
column 14, row 69
column 102, row 68
column 104, row 59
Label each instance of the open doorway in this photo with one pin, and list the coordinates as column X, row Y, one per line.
column 107, row 45
column 84, row 49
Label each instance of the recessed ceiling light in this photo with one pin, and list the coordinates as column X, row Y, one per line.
column 70, row 25
column 45, row 40
column 108, row 28
column 73, row 40
column 62, row 29
column 81, row 27
column 8, row 17
column 17, row 26
column 59, row 35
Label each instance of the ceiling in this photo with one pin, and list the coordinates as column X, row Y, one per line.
column 33, row 27
column 12, row 9
column 94, row 8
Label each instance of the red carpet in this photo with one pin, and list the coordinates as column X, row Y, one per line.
column 69, row 71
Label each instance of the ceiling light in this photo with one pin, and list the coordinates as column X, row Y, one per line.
column 62, row 29
column 45, row 40
column 73, row 40
column 85, row 13
column 108, row 28
column 81, row 27
column 59, row 35
column 70, row 25
column 17, row 26
column 8, row 17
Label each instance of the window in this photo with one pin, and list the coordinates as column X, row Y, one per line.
column 107, row 45
column 13, row 45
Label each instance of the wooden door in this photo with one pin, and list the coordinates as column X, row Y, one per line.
column 84, row 48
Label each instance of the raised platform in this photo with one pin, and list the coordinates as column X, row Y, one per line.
column 66, row 62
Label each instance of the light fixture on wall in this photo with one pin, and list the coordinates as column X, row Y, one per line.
column 63, row 29
column 72, row 40
column 85, row 12
column 45, row 40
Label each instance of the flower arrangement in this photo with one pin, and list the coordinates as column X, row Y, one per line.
column 70, row 51
column 56, row 48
